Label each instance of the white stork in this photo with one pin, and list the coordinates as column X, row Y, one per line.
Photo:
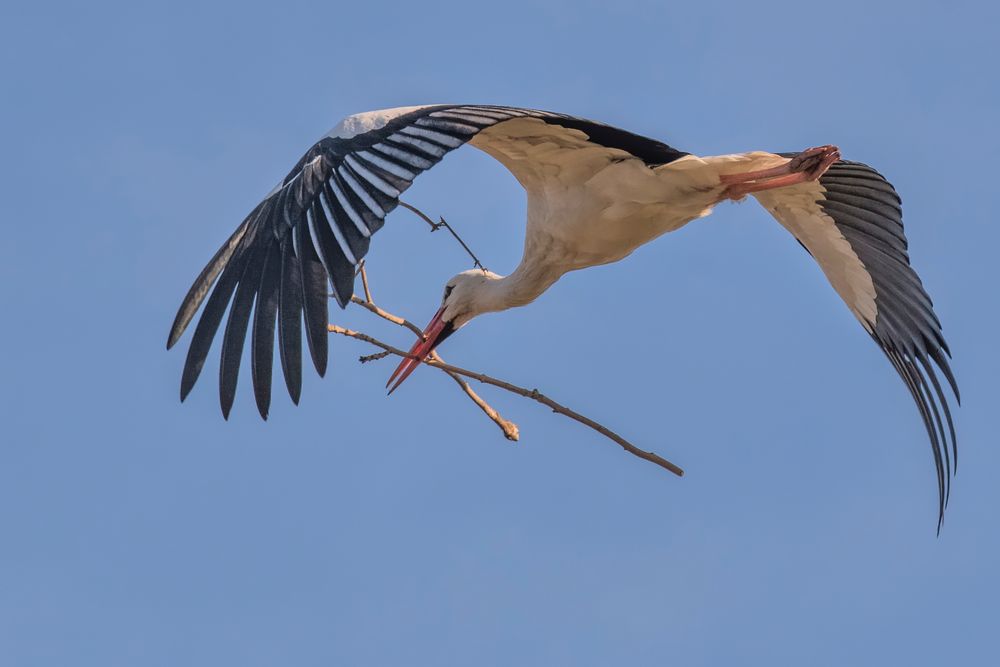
column 595, row 194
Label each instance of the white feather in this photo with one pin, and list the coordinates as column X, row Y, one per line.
column 360, row 123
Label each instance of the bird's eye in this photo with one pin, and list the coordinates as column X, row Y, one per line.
column 447, row 292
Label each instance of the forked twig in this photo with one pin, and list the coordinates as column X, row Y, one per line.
column 533, row 394
column 509, row 428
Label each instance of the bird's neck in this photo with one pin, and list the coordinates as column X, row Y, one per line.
column 521, row 287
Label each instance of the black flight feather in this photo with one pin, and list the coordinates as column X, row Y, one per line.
column 357, row 243
column 236, row 328
column 314, row 281
column 290, row 319
column 262, row 361
column 211, row 316
column 341, row 270
column 189, row 306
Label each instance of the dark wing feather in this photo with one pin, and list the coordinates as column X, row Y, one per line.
column 317, row 226
column 356, row 242
column 211, row 317
column 262, row 361
column 337, row 263
column 236, row 327
column 853, row 202
column 201, row 285
column 313, row 281
column 290, row 319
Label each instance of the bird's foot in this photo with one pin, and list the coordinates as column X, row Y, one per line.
column 807, row 166
column 813, row 162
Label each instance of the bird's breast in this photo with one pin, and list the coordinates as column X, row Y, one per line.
column 608, row 216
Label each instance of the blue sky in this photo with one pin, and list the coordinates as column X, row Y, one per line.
column 356, row 529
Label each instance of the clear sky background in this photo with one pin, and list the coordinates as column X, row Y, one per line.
column 360, row 530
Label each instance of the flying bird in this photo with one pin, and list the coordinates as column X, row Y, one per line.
column 595, row 193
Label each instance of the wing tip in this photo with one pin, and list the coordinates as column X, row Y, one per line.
column 179, row 326
column 263, row 404
column 189, row 378
column 343, row 303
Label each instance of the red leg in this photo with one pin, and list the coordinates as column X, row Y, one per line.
column 808, row 165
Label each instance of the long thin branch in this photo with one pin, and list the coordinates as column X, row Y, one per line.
column 444, row 223
column 533, row 394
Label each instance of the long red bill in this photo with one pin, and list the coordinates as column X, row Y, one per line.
column 430, row 338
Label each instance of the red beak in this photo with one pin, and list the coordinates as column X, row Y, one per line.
column 434, row 333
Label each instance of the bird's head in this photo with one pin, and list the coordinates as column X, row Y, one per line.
column 465, row 295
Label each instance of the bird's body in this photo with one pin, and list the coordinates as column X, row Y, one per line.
column 595, row 193
column 584, row 223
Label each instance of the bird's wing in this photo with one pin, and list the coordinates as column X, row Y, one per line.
column 850, row 221
column 315, row 227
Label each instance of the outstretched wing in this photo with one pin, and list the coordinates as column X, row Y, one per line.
column 315, row 227
column 850, row 221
